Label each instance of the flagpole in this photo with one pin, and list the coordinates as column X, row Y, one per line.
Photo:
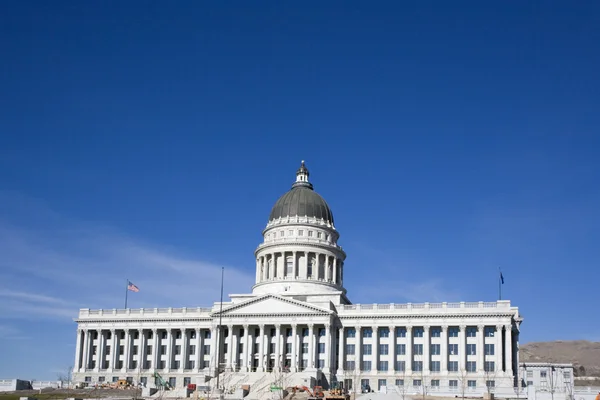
column 499, row 284
column 126, row 290
column 219, row 329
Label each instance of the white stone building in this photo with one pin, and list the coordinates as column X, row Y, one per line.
column 298, row 319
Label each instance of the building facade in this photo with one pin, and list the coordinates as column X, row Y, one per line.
column 298, row 321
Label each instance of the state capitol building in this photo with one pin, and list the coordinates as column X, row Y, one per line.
column 299, row 321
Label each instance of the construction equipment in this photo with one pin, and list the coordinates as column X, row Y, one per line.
column 120, row 384
column 160, row 382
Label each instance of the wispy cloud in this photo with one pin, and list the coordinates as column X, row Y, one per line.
column 52, row 266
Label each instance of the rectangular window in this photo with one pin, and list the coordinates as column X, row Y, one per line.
column 383, row 349
column 417, row 349
column 453, row 349
column 366, row 366
column 351, row 332
column 542, row 374
column 288, row 348
column 163, row 349
column 471, row 349
column 289, row 267
column 319, row 235
column 399, row 382
column 186, row 381
column 107, row 350
column 417, row 366
column 490, row 331
column 321, row 332
column 350, row 365
column 471, row 366
column 177, row 364
column 172, row 382
column 400, row 349
column 489, row 349
column 366, row 350
column 148, row 350
column 304, row 332
column 290, row 232
column 350, row 349
column 489, row 366
column 434, row 366
column 400, row 332
column 453, row 383
column 381, row 383
column 177, row 350
column 192, row 364
column 300, row 232
column 400, row 366
column 472, row 384
column 304, row 348
column 416, row 382
column 417, row 332
column 453, row 366
column 435, row 383
column 382, row 366
column 471, row 331
column 321, row 364
column 178, row 335
column 367, row 332
column 122, row 350
column 436, row 332
column 453, row 331
column 207, row 334
column 435, row 349
column 384, row 332
column 207, row 349
column 271, row 348
column 310, row 233
column 490, row 384
column 321, row 348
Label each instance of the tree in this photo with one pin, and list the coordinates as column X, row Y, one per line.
column 463, row 381
column 402, row 389
column 353, row 375
column 65, row 377
column 421, row 375
column 490, row 376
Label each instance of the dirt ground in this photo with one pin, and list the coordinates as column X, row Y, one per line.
column 59, row 394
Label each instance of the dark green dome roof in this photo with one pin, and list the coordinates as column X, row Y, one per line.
column 302, row 201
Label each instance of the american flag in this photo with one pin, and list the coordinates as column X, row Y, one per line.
column 132, row 287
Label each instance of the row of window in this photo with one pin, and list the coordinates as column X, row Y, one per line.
column 452, row 383
column 489, row 331
column 149, row 335
column 161, row 364
column 417, row 366
column 434, row 349
column 290, row 232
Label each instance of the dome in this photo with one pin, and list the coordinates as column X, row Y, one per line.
column 302, row 201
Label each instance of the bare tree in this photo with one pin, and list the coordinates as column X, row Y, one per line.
column 65, row 377
column 463, row 381
column 402, row 389
column 353, row 375
column 490, row 374
column 420, row 375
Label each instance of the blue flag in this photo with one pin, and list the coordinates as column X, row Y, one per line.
column 501, row 278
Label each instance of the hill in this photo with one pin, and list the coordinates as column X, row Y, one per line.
column 584, row 355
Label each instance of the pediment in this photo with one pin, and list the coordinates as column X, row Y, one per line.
column 273, row 304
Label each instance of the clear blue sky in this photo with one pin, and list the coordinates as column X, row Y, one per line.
column 149, row 140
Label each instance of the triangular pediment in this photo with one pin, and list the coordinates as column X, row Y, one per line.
column 273, row 304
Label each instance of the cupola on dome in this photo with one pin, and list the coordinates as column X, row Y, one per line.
column 302, row 201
